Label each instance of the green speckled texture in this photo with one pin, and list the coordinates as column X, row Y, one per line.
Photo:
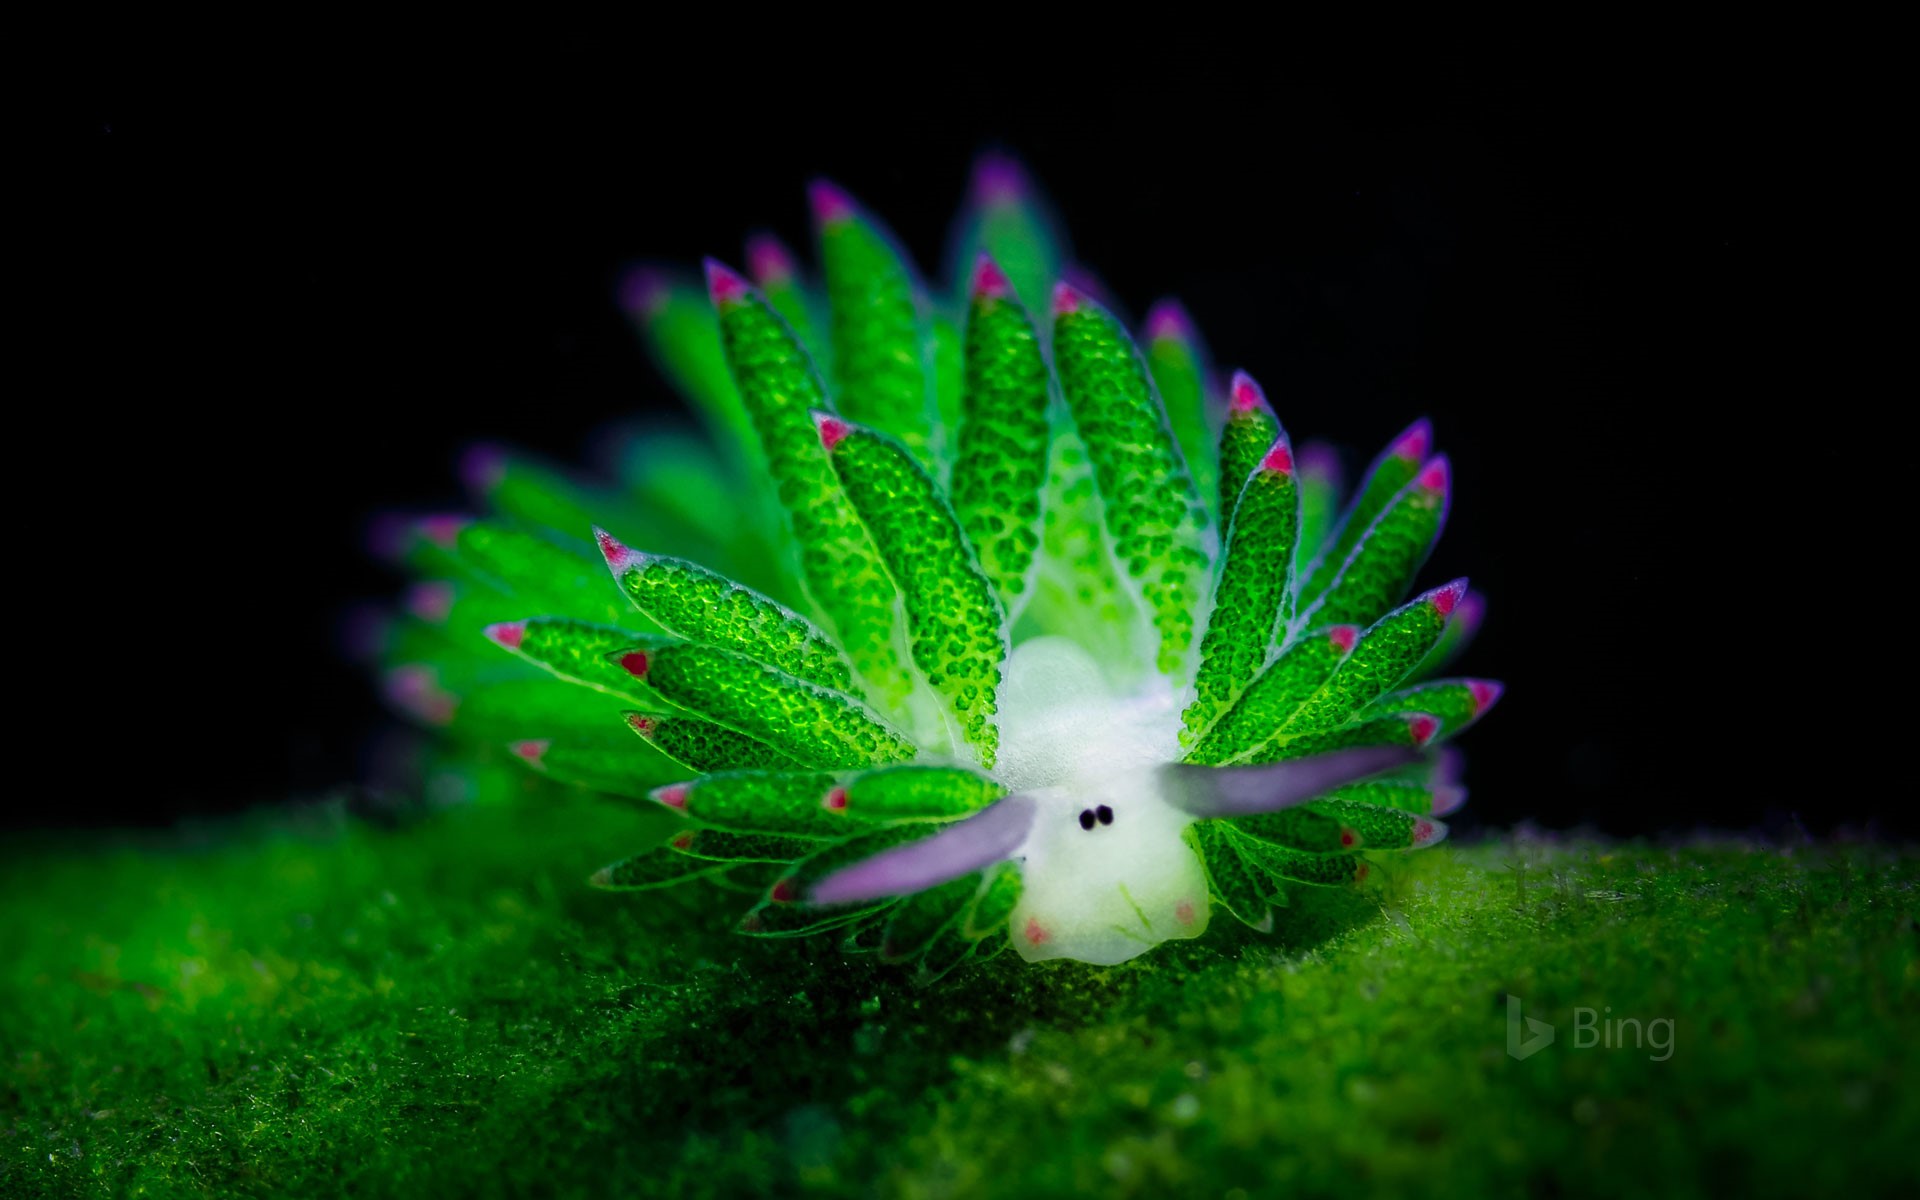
column 766, row 802
column 1230, row 881
column 1180, row 376
column 841, row 568
column 999, row 473
column 1307, row 829
column 1383, row 564
column 882, row 348
column 954, row 624
column 999, row 896
column 1386, row 652
column 1244, row 440
column 1405, row 795
column 1385, row 479
column 1382, row 731
column 701, row 745
column 1286, row 683
column 690, row 601
column 1250, row 598
column 726, row 845
column 913, row 793
column 308, row 1004
column 656, row 868
column 808, row 722
column 1153, row 516
column 1449, row 699
column 921, row 918
column 1379, row 828
column 1301, row 866
column 584, row 653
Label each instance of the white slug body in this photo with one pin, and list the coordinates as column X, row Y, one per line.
column 1108, row 875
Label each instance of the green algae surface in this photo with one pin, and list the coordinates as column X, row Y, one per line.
column 307, row 1003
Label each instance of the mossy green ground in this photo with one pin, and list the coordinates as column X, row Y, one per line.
column 309, row 1004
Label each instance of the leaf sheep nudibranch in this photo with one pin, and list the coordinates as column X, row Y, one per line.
column 975, row 624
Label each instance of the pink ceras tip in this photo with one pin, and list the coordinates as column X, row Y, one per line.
column 829, row 202
column 989, row 280
column 642, row 724
column 532, row 749
column 1343, row 637
column 1169, row 321
column 1415, row 442
column 634, row 662
column 1280, row 458
column 724, row 285
column 1485, row 693
column 431, row 601
column 1445, row 597
column 1066, row 298
column 1244, row 395
column 1436, row 474
column 507, row 633
column 1422, row 726
column 835, row 800
column 768, row 261
column 618, row 554
column 786, row 891
column 833, row 430
column 443, row 530
column 674, row 796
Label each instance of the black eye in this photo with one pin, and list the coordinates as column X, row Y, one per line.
column 1086, row 818
column 1105, row 814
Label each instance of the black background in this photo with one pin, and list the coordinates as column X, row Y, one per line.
column 296, row 303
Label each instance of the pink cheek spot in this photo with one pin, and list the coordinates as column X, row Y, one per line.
column 786, row 891
column 1485, row 692
column 1343, row 637
column 531, row 750
column 507, row 633
column 836, row 800
column 1034, row 933
column 1279, row 459
column 833, row 430
column 635, row 663
column 1422, row 726
column 674, row 796
column 1183, row 912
